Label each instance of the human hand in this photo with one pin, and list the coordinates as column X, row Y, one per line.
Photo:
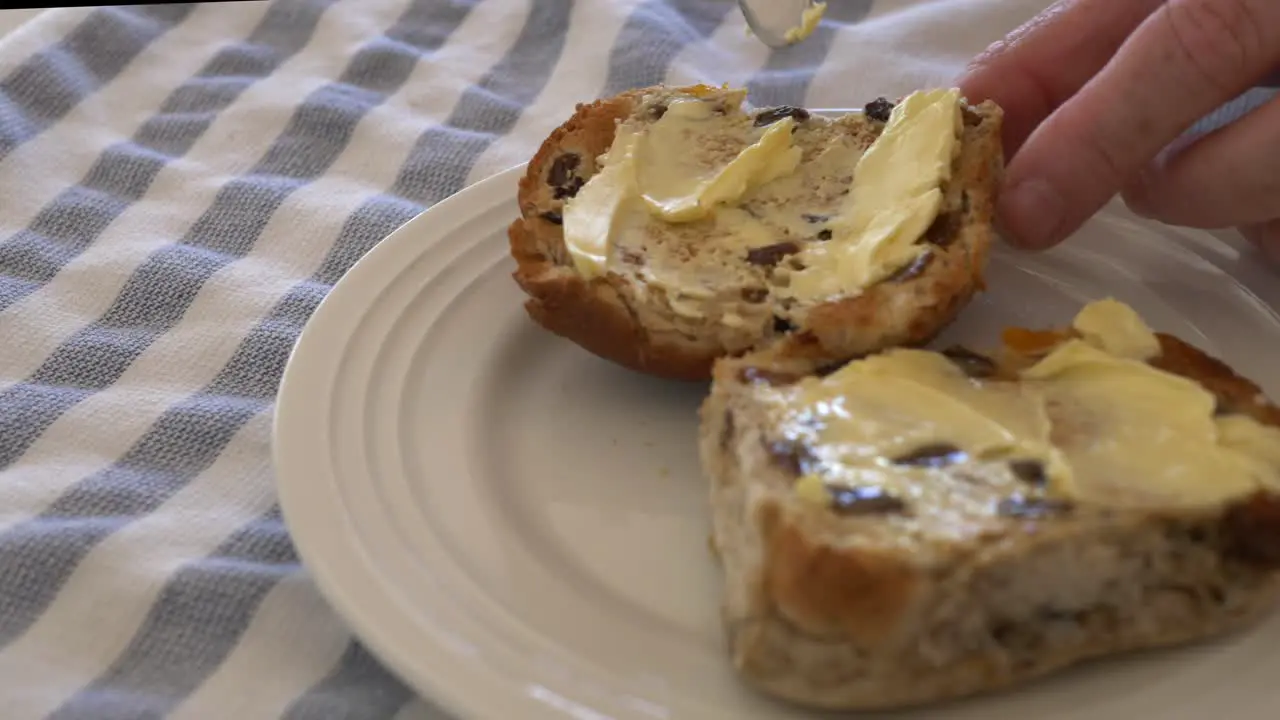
column 1097, row 94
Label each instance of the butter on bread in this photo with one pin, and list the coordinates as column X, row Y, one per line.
column 918, row 526
column 665, row 228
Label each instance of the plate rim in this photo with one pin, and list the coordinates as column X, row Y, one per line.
column 306, row 531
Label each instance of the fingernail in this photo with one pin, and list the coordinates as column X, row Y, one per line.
column 1031, row 214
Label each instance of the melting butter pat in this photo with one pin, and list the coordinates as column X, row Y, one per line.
column 1259, row 444
column 679, row 186
column 808, row 23
column 1136, row 435
column 1118, row 329
column 895, row 196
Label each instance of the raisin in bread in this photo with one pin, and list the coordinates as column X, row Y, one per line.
column 674, row 297
column 973, row 578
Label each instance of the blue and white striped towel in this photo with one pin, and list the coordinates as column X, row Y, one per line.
column 180, row 185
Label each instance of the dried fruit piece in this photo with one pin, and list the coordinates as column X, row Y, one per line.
column 773, row 115
column 1032, row 342
column 864, row 500
column 569, row 190
column 935, row 455
column 770, row 255
column 1019, row 506
column 879, row 109
column 975, row 365
column 562, row 169
column 1029, row 471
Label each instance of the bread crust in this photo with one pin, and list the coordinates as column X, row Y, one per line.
column 613, row 319
column 821, row 611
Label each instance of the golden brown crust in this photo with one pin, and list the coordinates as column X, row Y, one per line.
column 591, row 313
column 596, row 314
column 819, row 588
column 830, row 600
column 1234, row 393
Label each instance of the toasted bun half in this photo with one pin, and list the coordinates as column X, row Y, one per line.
column 624, row 317
column 866, row 611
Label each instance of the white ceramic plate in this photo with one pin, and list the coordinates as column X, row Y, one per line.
column 519, row 529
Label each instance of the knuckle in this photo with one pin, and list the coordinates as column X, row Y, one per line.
column 1219, row 40
column 1106, row 161
column 1208, row 185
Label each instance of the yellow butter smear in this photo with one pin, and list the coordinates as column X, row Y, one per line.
column 663, row 167
column 702, row 158
column 1107, row 427
column 862, row 419
column 895, row 197
column 1116, row 328
column 677, row 188
column 589, row 218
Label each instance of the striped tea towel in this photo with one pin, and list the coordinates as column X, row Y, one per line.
column 180, row 185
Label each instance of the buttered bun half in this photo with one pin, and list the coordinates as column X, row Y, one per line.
column 665, row 228
column 918, row 526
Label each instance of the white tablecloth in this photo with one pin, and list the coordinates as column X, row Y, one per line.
column 181, row 185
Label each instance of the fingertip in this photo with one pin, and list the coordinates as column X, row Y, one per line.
column 1031, row 214
column 974, row 88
